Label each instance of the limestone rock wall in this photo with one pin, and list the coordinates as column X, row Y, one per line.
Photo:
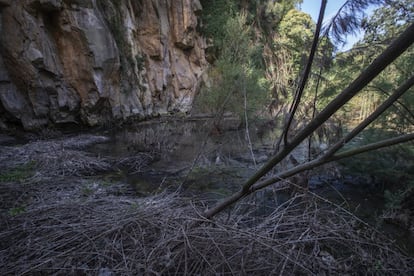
column 94, row 61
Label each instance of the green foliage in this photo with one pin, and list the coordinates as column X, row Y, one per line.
column 296, row 35
column 268, row 12
column 236, row 41
column 215, row 15
column 386, row 23
column 291, row 46
column 234, row 74
column 18, row 174
column 274, row 12
column 87, row 190
column 388, row 20
column 17, row 210
column 297, row 29
column 394, row 199
column 226, row 93
column 392, row 167
column 347, row 20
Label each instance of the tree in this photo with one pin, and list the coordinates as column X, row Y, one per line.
column 386, row 23
column 390, row 169
column 305, row 75
column 348, row 19
column 286, row 54
column 381, row 28
column 234, row 75
column 399, row 46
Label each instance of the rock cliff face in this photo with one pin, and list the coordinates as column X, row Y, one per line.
column 94, row 61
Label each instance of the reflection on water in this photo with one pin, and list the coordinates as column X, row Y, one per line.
column 194, row 152
column 190, row 154
column 213, row 164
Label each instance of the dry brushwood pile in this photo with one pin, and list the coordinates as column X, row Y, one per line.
column 63, row 157
column 63, row 231
column 67, row 157
column 162, row 235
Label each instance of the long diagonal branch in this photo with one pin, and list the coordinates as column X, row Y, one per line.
column 304, row 167
column 380, row 63
column 306, row 72
column 374, row 115
column 336, row 157
column 327, row 157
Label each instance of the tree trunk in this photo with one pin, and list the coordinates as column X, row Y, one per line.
column 380, row 63
column 306, row 72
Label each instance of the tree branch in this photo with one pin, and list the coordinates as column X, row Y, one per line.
column 389, row 55
column 380, row 63
column 374, row 115
column 329, row 155
column 405, row 107
column 306, row 72
column 301, row 168
column 318, row 162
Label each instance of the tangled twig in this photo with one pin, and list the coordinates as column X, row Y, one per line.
column 74, row 225
column 157, row 235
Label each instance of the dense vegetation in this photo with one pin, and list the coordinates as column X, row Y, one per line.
column 259, row 50
column 69, row 206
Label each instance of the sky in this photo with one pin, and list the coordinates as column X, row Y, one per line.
column 312, row 7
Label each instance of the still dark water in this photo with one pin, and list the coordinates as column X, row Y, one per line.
column 210, row 163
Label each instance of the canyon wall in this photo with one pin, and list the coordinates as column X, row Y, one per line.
column 90, row 62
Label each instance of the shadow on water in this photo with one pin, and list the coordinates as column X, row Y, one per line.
column 211, row 165
column 190, row 155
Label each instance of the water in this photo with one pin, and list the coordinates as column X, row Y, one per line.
column 203, row 162
column 193, row 151
column 190, row 154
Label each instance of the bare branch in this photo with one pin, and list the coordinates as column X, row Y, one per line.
column 379, row 64
column 318, row 162
column 328, row 157
column 381, row 109
column 374, row 146
column 301, row 168
column 306, row 72
column 389, row 55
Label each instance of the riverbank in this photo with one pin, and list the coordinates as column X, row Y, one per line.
column 64, row 213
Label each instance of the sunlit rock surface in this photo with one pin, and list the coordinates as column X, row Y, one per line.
column 91, row 62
